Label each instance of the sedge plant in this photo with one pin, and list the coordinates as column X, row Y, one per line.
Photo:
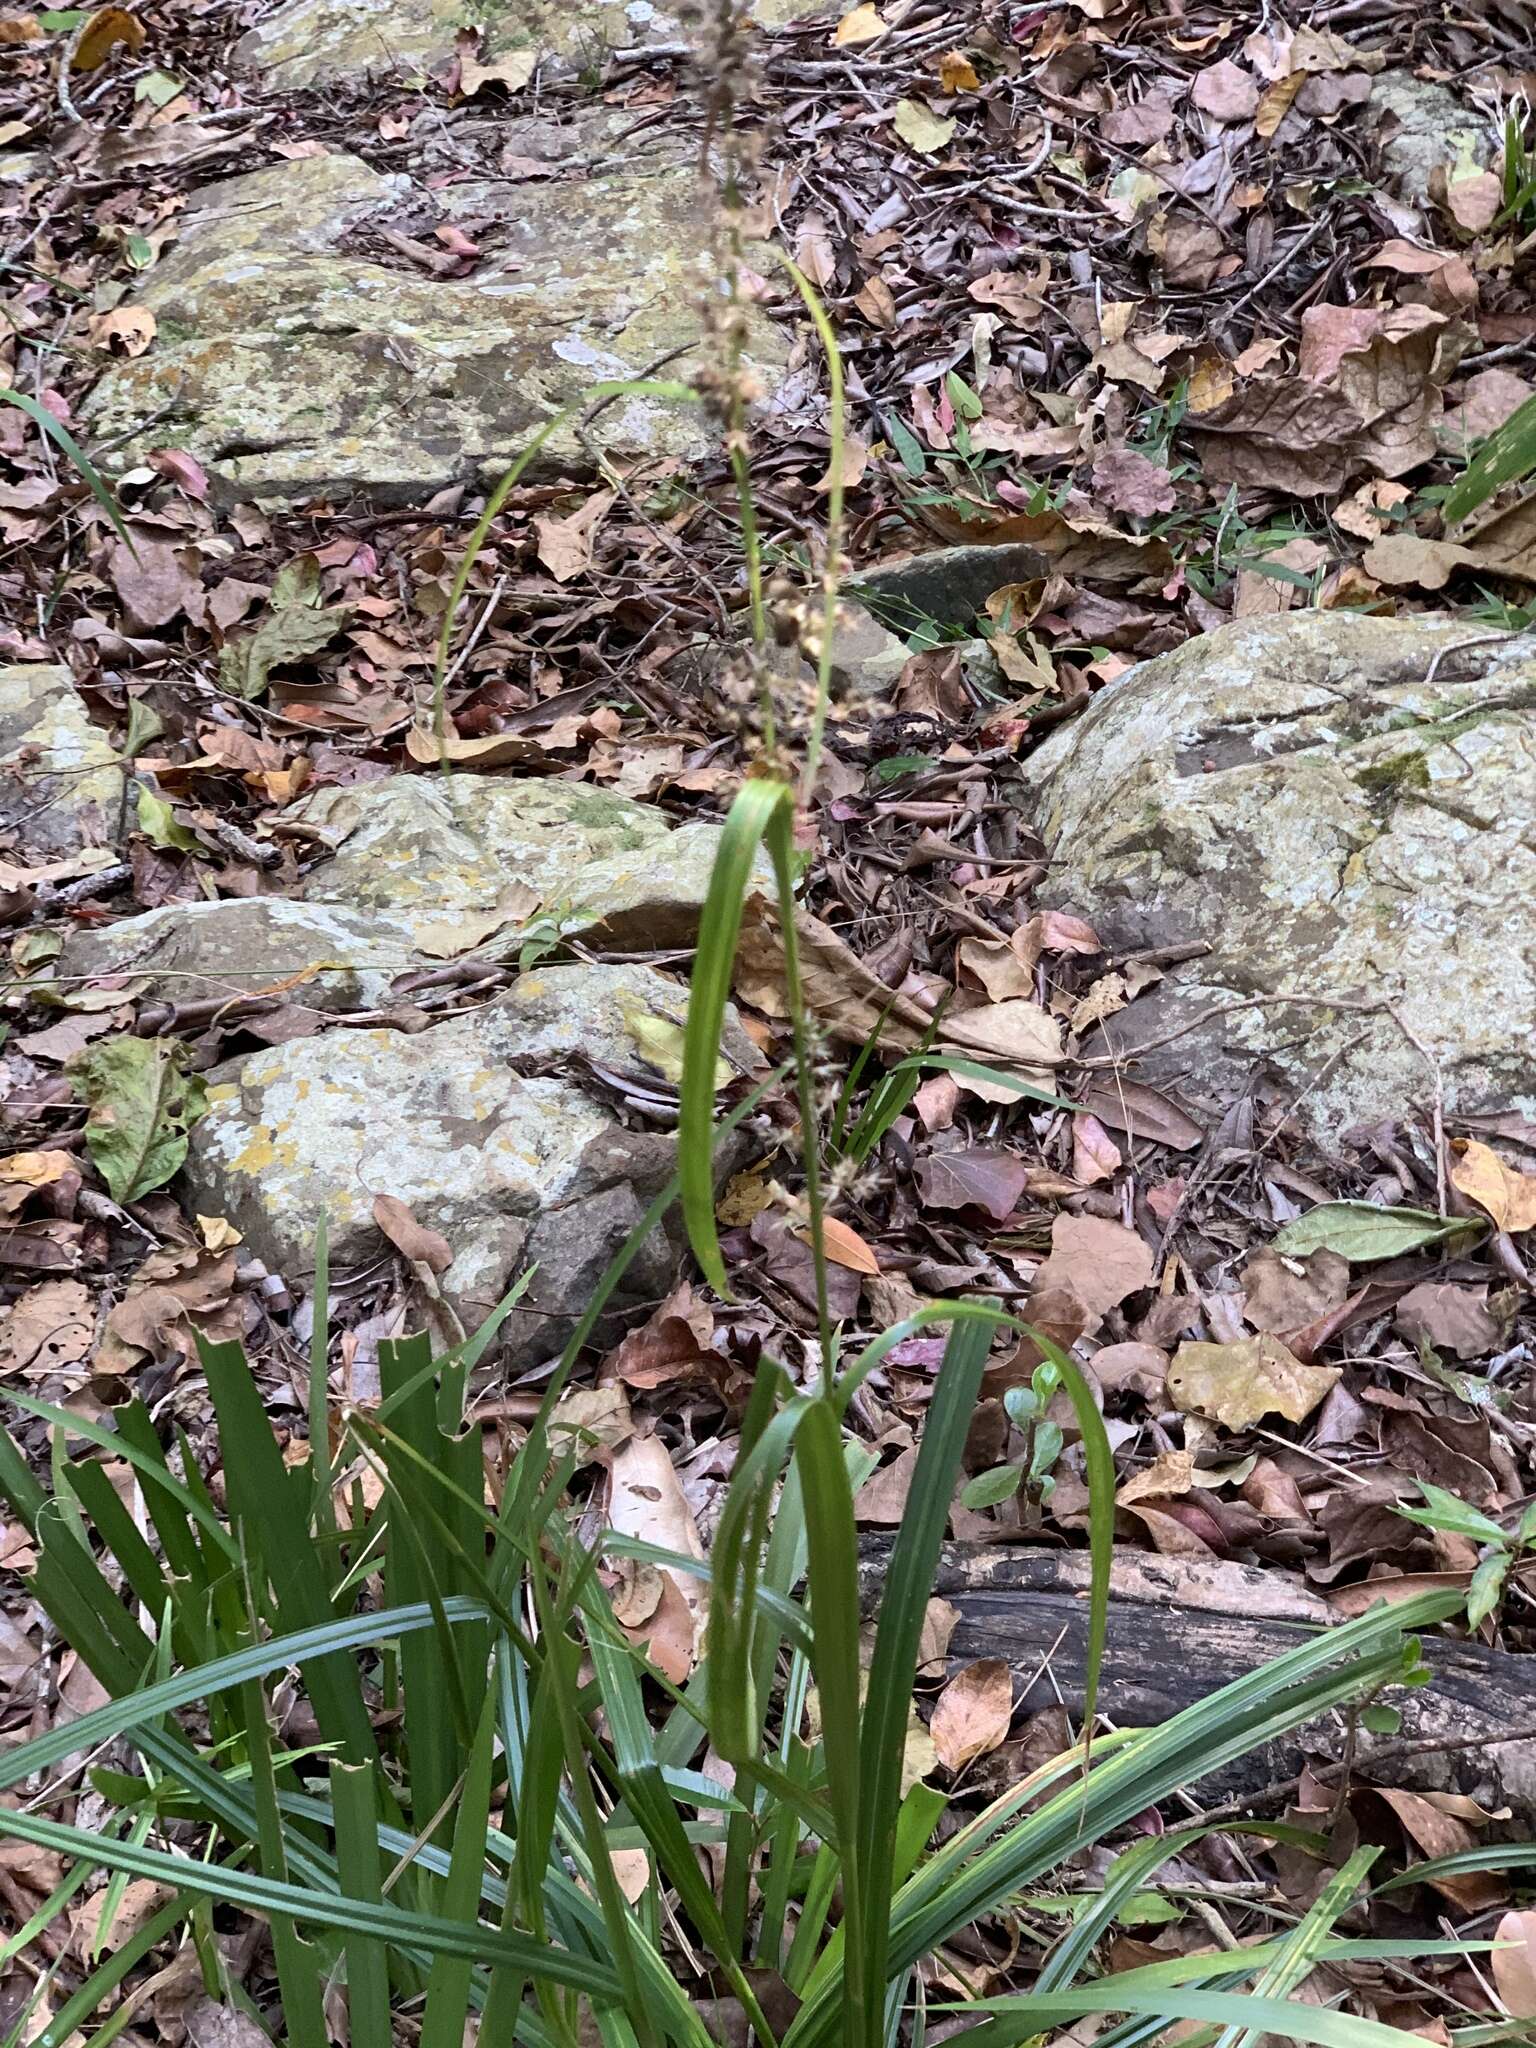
column 374, row 1691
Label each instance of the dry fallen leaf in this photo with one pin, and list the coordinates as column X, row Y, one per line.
column 882, row 1499
column 1225, row 92
column 1286, row 1293
column 413, row 1239
column 1014, row 1031
column 957, row 73
column 585, row 1422
column 1451, row 1318
column 107, row 27
column 1436, row 1828
column 1171, row 1473
column 980, row 1176
column 920, row 128
column 939, row 1620
column 1101, row 1262
column 973, row 1713
column 514, row 71
column 646, row 1499
column 124, row 331
column 1239, row 1384
column 52, row 1325
column 1132, row 483
column 845, row 1247
column 565, row 545
column 1482, row 1176
column 1514, row 1967
column 1276, row 103
column 860, row 25
column 1095, row 1155
column 1401, row 560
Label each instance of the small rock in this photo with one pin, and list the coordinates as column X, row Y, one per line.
column 187, row 952
column 512, row 1171
column 440, row 853
column 946, row 587
column 61, row 782
column 1297, row 795
column 1427, row 127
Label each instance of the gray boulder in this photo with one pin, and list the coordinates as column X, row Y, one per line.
column 323, row 42
column 515, row 1169
column 1339, row 807
column 298, row 354
column 445, row 855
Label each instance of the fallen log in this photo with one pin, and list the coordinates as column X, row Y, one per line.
column 1179, row 1631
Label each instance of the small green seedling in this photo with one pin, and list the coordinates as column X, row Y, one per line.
column 1501, row 1549
column 1030, row 1477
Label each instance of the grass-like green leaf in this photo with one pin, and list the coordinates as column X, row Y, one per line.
column 60, row 434
column 719, row 928
column 1508, row 454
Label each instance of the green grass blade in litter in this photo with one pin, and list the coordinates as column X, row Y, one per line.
column 60, row 434
column 719, row 927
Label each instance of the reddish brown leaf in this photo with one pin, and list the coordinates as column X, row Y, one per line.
column 980, row 1177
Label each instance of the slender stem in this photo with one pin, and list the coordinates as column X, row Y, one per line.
column 832, row 559
column 781, row 849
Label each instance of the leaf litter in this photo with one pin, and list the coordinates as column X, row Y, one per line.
column 1137, row 293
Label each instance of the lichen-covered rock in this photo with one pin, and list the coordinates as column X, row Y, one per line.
column 61, row 783
column 513, row 1170
column 1337, row 806
column 322, row 955
column 321, row 42
column 1425, row 128
column 444, row 854
column 291, row 363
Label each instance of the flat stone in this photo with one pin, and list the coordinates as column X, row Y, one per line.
column 292, row 362
column 324, row 42
column 946, row 587
column 61, row 783
column 445, row 855
column 1430, row 129
column 189, row 952
column 1297, row 794
column 513, row 1170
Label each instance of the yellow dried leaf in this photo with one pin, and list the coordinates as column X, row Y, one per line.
column 745, row 1196
column 37, row 1169
column 107, row 27
column 861, row 26
column 1211, row 383
column 920, row 128
column 957, row 73
column 1167, row 1476
column 218, row 1233
column 1482, row 1176
column 1275, row 103
column 1239, row 1384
